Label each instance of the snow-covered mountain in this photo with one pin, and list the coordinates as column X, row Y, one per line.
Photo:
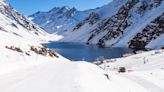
column 59, row 19
column 122, row 23
column 62, row 19
column 136, row 24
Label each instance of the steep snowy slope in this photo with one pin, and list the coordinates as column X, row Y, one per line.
column 133, row 23
column 81, row 32
column 14, row 24
column 20, row 41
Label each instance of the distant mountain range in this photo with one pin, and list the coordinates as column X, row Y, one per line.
column 59, row 19
column 137, row 24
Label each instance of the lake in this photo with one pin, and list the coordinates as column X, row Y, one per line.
column 80, row 51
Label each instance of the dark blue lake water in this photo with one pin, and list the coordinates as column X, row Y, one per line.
column 80, row 51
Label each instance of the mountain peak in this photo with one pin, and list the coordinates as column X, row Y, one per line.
column 66, row 7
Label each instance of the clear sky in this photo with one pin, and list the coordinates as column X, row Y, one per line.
column 28, row 7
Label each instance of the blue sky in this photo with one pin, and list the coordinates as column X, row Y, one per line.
column 28, row 7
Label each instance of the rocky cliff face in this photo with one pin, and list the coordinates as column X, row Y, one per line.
column 91, row 19
column 152, row 31
column 114, row 25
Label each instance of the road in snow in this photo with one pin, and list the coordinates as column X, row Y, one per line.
column 65, row 77
column 56, row 77
column 45, row 78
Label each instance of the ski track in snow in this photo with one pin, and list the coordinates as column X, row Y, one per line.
column 144, row 83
